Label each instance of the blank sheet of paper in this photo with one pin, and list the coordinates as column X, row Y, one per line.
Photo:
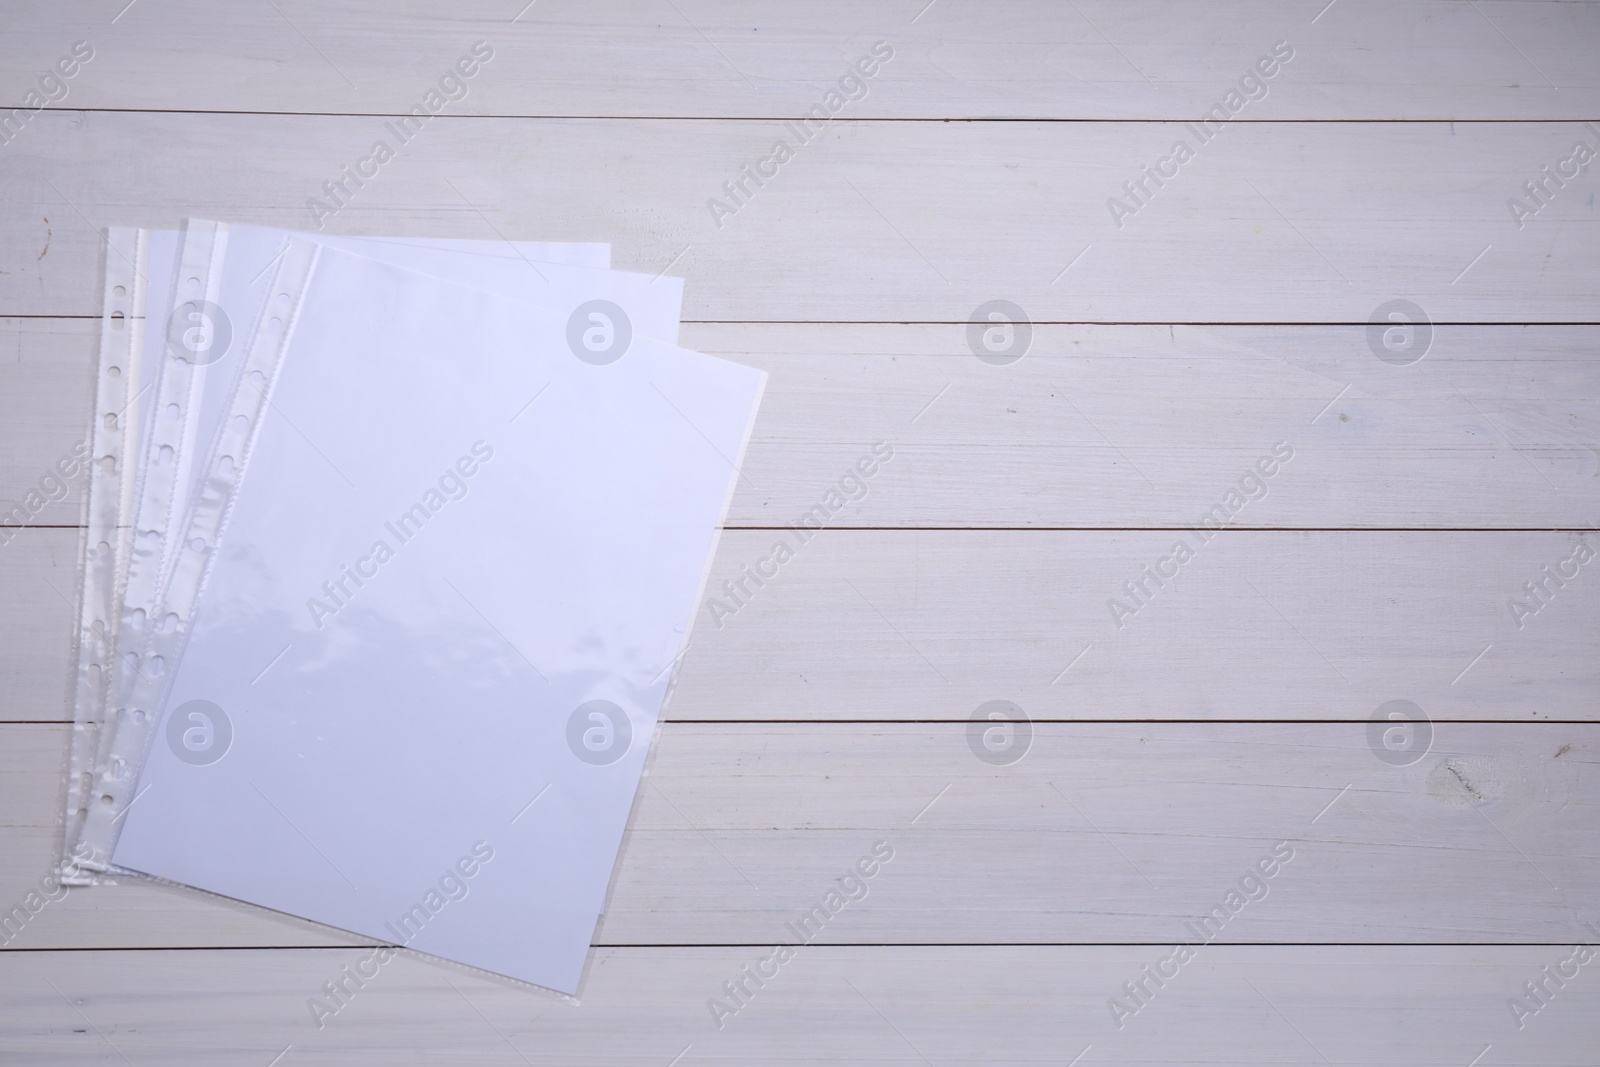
column 442, row 618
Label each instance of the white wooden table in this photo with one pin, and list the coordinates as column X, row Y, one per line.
column 1031, row 908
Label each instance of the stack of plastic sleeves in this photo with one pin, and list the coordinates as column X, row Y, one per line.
column 392, row 550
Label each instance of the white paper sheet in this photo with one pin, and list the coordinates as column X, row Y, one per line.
column 531, row 272
column 236, row 262
column 530, row 506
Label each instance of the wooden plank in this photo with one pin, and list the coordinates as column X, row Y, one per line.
column 1140, row 425
column 1109, row 426
column 46, row 396
column 38, row 614
column 1014, row 58
column 1273, row 625
column 1098, row 834
column 884, row 624
column 980, row 1005
column 881, row 221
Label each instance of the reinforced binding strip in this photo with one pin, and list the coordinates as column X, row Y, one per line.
column 103, row 550
column 199, row 276
column 191, row 565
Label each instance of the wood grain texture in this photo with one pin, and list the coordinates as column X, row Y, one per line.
column 898, row 625
column 38, row 613
column 1097, row 59
column 930, row 624
column 884, row 222
column 1095, row 426
column 1273, row 625
column 1099, row 834
column 46, row 396
column 980, row 1005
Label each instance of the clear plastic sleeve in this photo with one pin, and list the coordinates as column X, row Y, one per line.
column 427, row 611
column 199, row 372
column 111, row 441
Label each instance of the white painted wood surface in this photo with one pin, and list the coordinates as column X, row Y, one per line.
column 878, row 221
column 830, row 711
column 928, row 624
column 1097, row 426
column 1098, row 59
column 1237, row 1005
column 1101, row 833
